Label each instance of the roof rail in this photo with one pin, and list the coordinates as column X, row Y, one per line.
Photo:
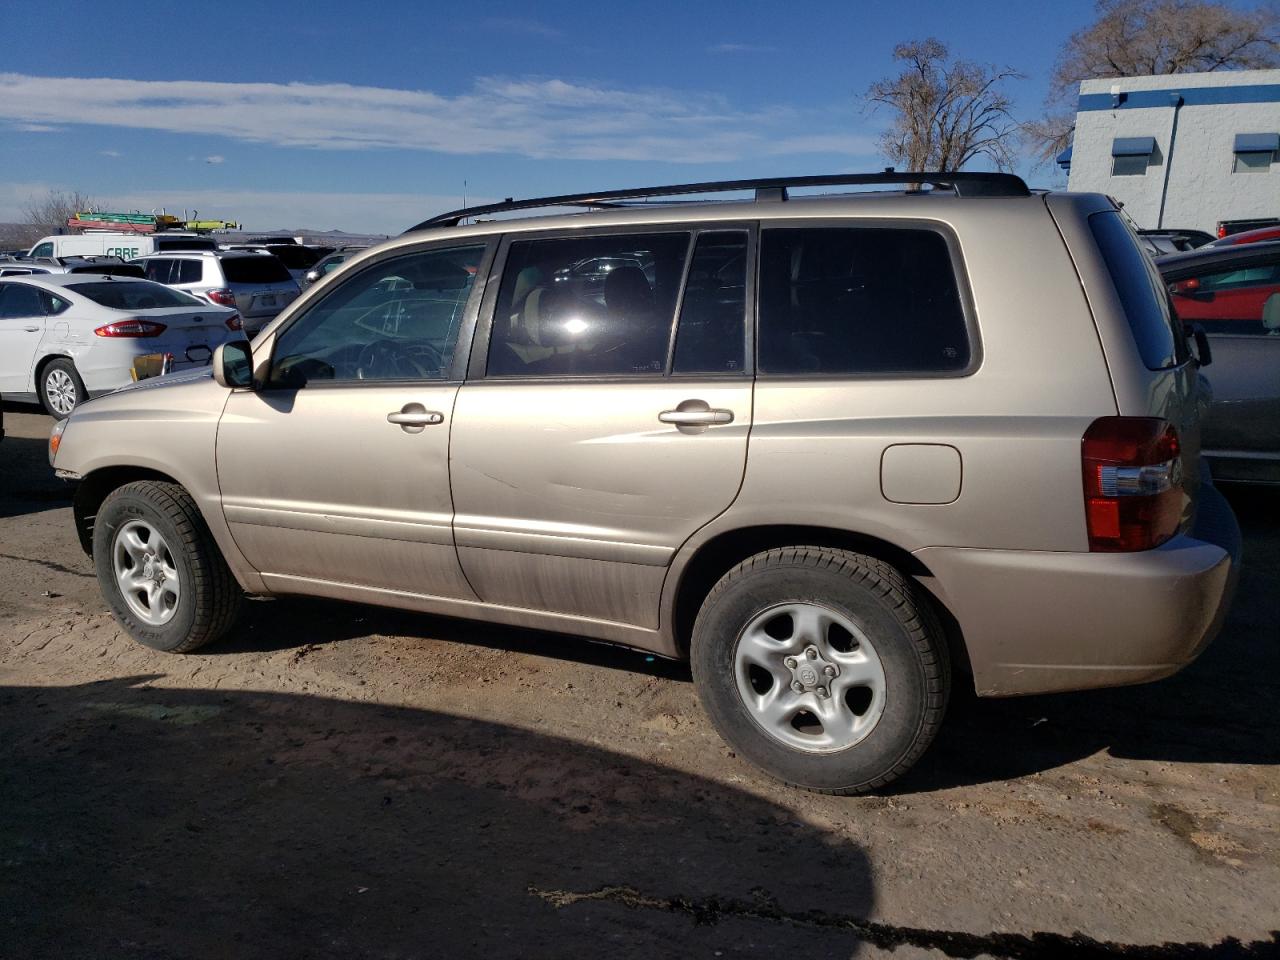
column 769, row 189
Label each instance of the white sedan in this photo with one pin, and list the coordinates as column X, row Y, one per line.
column 67, row 337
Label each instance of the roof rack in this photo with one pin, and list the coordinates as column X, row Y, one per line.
column 769, row 189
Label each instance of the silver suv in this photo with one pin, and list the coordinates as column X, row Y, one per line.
column 257, row 285
column 841, row 452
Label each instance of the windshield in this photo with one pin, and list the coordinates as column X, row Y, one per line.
column 133, row 295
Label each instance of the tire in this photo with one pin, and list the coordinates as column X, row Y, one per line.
column 881, row 649
column 60, row 388
column 196, row 599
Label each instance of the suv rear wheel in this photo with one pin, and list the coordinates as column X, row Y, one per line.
column 824, row 667
column 159, row 569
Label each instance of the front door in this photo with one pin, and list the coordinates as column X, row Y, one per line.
column 336, row 470
column 597, row 434
column 22, row 320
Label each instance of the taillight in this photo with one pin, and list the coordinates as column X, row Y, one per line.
column 131, row 328
column 223, row 298
column 1222, row 231
column 1133, row 494
column 233, row 322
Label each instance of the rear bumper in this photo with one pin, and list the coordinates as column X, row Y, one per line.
column 1038, row 622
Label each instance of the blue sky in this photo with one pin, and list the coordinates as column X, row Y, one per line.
column 371, row 116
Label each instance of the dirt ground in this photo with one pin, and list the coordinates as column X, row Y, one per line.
column 344, row 781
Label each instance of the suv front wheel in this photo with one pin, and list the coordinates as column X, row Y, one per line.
column 824, row 667
column 160, row 570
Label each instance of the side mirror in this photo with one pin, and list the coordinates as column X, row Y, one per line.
column 1204, row 355
column 233, row 364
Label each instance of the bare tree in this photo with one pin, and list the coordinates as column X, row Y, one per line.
column 1133, row 38
column 946, row 112
column 53, row 209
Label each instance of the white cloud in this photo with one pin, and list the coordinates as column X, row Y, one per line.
column 263, row 210
column 215, row 159
column 740, row 48
column 111, row 153
column 37, row 128
column 521, row 25
column 538, row 118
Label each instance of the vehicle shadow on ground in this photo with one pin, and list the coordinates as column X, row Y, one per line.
column 27, row 483
column 152, row 823
column 1220, row 709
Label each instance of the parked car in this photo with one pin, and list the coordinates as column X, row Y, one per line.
column 257, row 285
column 126, row 246
column 1249, row 236
column 103, row 266
column 1227, row 228
column 1161, row 242
column 297, row 258
column 974, row 454
column 330, row 263
column 1233, row 294
column 67, row 337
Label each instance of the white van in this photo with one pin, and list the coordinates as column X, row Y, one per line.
column 126, row 246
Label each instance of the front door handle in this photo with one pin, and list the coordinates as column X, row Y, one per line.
column 694, row 416
column 414, row 417
column 31, row 329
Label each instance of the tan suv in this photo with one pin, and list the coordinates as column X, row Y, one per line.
column 836, row 450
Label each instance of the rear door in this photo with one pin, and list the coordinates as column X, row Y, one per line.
column 22, row 323
column 596, row 433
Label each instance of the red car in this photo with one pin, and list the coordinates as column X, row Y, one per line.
column 1248, row 236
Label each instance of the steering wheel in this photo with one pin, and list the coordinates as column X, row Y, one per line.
column 388, row 360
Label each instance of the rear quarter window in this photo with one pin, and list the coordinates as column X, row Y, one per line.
column 860, row 300
column 1141, row 291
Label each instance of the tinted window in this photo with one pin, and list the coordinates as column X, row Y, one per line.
column 18, row 300
column 709, row 338
column 263, row 269
column 158, row 269
column 188, row 271
column 110, row 269
column 1141, row 292
column 588, row 306
column 395, row 320
column 1129, row 166
column 294, row 257
column 185, row 243
column 52, row 305
column 859, row 300
column 1243, row 300
column 132, row 295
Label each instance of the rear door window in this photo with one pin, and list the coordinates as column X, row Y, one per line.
column 255, row 269
column 17, row 301
column 711, row 333
column 860, row 300
column 158, row 269
column 598, row 306
column 1141, row 292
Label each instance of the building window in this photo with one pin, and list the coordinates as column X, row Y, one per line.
column 1130, row 156
column 1254, row 152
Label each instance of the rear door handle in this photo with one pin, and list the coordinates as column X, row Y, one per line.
column 414, row 417
column 696, row 418
column 31, row 329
